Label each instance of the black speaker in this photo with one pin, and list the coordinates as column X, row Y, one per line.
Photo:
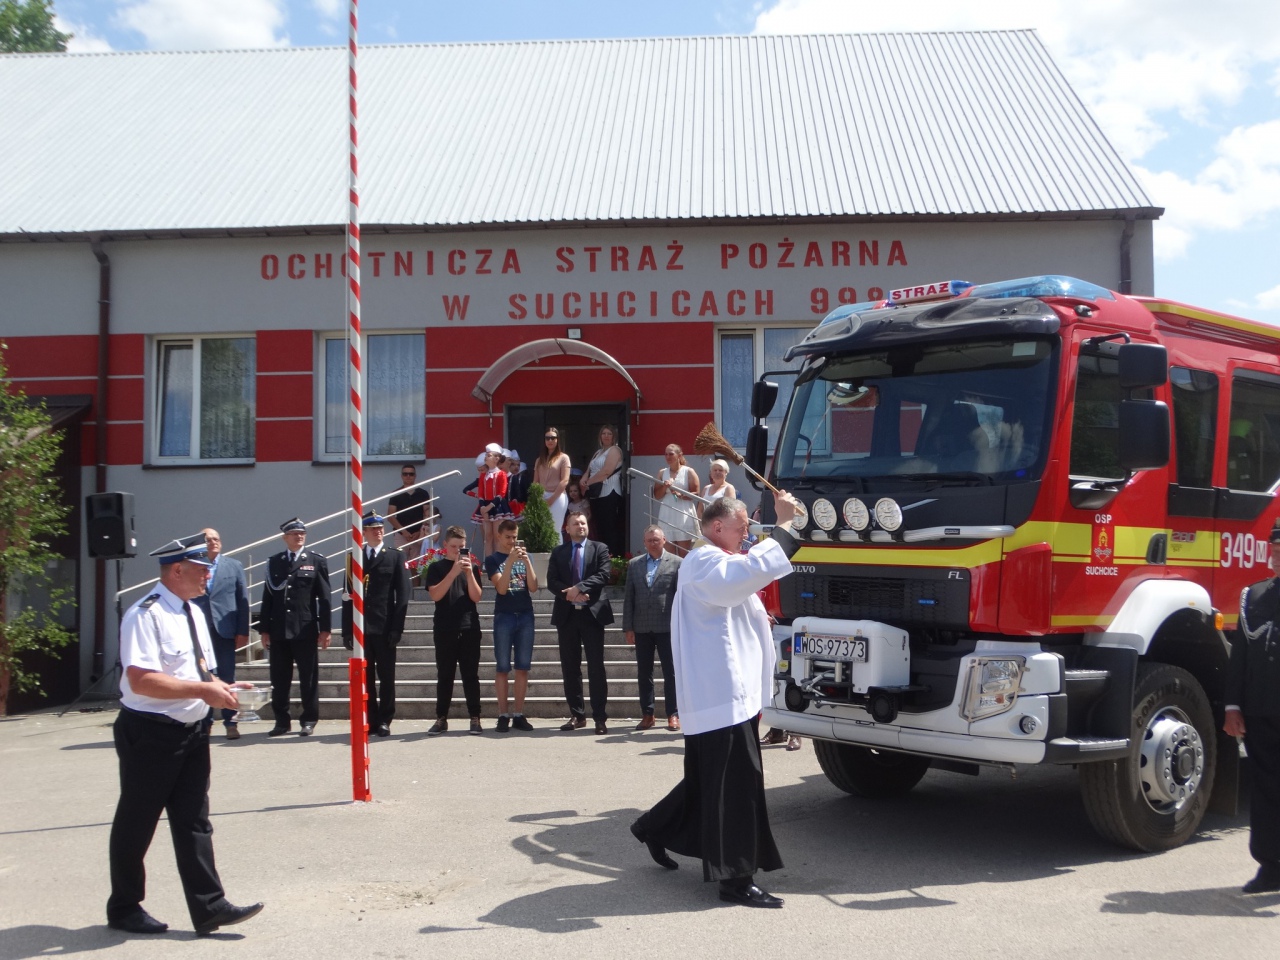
column 109, row 526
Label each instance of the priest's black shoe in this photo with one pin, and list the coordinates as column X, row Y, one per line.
column 279, row 730
column 1266, row 881
column 748, row 896
column 228, row 915
column 656, row 850
column 138, row 922
column 382, row 730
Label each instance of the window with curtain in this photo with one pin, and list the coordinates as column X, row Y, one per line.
column 744, row 355
column 394, row 395
column 204, row 403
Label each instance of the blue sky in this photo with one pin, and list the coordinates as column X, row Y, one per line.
column 1189, row 92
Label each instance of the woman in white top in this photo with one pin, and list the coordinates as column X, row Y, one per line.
column 606, row 508
column 552, row 471
column 677, row 514
column 719, row 486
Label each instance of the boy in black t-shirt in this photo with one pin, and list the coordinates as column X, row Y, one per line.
column 454, row 584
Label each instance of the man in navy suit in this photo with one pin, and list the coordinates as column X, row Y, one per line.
column 226, row 605
column 577, row 572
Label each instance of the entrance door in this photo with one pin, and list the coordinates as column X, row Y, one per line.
column 579, row 426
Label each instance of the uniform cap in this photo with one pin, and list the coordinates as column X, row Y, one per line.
column 184, row 549
column 493, row 448
column 295, row 524
column 371, row 519
column 1275, row 533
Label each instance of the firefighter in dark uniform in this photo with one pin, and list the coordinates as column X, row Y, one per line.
column 386, row 602
column 1253, row 712
column 294, row 621
column 162, row 744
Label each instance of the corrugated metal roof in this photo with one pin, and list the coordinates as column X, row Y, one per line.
column 978, row 124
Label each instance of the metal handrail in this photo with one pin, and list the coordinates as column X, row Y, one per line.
column 654, row 514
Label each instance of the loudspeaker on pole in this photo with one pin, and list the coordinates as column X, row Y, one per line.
column 109, row 526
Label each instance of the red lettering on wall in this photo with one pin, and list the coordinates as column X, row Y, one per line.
column 483, row 265
column 626, row 301
column 897, row 254
column 455, row 307
column 618, row 257
column 376, row 256
column 565, row 256
column 813, row 254
column 544, row 306
column 404, row 263
column 573, row 313
column 764, row 303
column 457, row 262
column 599, row 305
column 270, row 267
column 757, row 256
column 736, row 303
column 869, row 253
column 647, row 260
column 591, row 257
column 297, row 266
column 324, row 265
column 840, row 253
column 728, row 251
column 680, row 303
column 510, row 262
column 517, row 311
column 708, row 308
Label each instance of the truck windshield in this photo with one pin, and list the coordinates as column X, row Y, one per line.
column 970, row 411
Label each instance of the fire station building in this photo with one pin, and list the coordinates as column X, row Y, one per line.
column 553, row 233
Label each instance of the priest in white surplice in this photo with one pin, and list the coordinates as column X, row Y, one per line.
column 724, row 657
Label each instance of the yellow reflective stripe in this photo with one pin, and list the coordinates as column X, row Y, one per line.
column 1082, row 621
column 1218, row 319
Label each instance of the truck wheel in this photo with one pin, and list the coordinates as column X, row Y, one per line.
column 864, row 772
column 1155, row 798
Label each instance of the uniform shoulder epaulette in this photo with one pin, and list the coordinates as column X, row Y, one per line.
column 148, row 601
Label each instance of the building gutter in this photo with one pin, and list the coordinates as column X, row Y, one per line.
column 1126, row 260
column 100, row 451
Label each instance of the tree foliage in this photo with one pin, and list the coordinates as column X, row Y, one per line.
column 26, row 26
column 536, row 524
column 31, row 514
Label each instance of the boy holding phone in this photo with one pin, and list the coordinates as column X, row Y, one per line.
column 515, row 581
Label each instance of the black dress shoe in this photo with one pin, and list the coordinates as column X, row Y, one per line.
column 138, row 922
column 228, row 915
column 601, row 729
column 574, row 723
column 279, row 730
column 306, row 730
column 656, row 850
column 748, row 896
column 382, row 730
column 1267, row 880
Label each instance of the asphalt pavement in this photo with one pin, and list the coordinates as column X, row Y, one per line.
column 516, row 846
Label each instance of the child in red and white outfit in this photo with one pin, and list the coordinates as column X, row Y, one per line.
column 491, row 489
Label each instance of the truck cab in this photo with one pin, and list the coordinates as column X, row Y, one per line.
column 1030, row 508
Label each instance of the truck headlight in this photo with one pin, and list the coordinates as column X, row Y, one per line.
column 992, row 686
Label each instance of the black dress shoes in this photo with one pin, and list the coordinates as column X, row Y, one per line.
column 748, row 896
column 138, row 922
column 382, row 730
column 601, row 728
column 1266, row 881
column 575, row 722
column 656, row 850
column 228, row 915
column 279, row 730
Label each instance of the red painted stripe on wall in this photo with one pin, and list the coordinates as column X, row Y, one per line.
column 286, row 395
column 126, row 355
column 68, row 356
column 283, row 440
column 285, row 351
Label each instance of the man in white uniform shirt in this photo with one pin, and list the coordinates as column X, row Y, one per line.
column 162, row 743
column 722, row 646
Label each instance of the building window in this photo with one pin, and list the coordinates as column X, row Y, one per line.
column 744, row 356
column 394, row 396
column 204, row 403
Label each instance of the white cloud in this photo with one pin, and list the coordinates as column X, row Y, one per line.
column 83, row 40
column 205, row 24
column 329, row 8
column 1269, row 299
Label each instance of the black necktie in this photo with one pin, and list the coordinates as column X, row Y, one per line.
column 201, row 666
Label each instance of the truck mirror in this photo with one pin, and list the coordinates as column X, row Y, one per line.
column 764, row 394
column 1144, row 434
column 1142, row 365
column 758, row 447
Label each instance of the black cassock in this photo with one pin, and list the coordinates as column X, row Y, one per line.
column 717, row 812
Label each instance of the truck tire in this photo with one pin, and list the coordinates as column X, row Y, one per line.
column 865, row 772
column 1155, row 798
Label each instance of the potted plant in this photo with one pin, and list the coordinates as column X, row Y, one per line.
column 538, row 531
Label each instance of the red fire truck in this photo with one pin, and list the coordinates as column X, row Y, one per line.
column 1030, row 509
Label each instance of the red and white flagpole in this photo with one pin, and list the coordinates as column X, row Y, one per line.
column 355, row 480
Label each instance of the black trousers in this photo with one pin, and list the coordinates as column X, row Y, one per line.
column 163, row 769
column 646, row 645
column 380, row 678
column 225, row 651
column 717, row 812
column 1263, row 745
column 457, row 651
column 607, row 514
column 282, row 656
column 583, row 632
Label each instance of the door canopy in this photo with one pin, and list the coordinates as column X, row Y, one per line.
column 532, row 352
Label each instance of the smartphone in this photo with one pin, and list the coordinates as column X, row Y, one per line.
column 519, row 544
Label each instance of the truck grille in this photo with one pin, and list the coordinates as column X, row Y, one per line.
column 928, row 598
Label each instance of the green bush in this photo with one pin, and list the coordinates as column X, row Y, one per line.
column 537, row 529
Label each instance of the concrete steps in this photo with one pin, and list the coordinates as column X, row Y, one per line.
column 416, row 669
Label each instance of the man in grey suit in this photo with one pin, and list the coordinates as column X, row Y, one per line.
column 226, row 605
column 577, row 572
column 646, row 621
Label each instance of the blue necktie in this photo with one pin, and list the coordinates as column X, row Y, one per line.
column 577, row 562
